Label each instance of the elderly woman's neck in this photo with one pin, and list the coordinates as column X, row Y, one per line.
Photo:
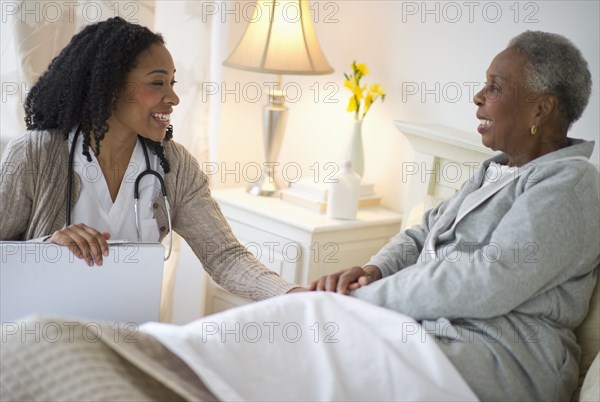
column 537, row 149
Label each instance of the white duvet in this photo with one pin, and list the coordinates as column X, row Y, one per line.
column 314, row 346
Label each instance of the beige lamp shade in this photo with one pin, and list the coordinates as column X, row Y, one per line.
column 280, row 39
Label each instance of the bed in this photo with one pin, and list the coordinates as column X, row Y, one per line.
column 316, row 338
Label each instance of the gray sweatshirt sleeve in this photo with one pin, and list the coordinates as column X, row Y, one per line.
column 403, row 249
column 548, row 236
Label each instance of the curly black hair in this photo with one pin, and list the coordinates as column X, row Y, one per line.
column 82, row 84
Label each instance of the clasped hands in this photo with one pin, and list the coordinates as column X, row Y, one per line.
column 344, row 281
column 91, row 245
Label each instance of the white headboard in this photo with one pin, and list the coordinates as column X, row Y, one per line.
column 444, row 159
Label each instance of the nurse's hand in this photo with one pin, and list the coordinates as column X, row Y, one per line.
column 84, row 242
column 347, row 280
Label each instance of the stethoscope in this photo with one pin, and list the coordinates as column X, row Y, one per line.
column 136, row 188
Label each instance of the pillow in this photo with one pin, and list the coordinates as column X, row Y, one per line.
column 415, row 216
column 590, row 391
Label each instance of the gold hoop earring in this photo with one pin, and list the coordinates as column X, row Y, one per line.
column 533, row 130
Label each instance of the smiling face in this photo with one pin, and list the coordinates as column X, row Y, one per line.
column 145, row 104
column 506, row 108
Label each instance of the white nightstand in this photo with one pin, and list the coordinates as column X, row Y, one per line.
column 298, row 244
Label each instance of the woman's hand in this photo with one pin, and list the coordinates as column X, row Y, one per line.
column 347, row 280
column 84, row 242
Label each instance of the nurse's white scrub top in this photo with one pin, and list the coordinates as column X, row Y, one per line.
column 95, row 207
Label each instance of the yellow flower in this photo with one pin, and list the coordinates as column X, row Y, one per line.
column 370, row 95
column 352, row 85
column 361, row 69
column 368, row 101
column 374, row 92
column 352, row 105
column 377, row 89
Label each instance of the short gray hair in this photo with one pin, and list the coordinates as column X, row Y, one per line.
column 555, row 65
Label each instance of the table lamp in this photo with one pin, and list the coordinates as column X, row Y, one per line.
column 280, row 39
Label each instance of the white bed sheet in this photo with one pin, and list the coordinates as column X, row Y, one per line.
column 314, row 346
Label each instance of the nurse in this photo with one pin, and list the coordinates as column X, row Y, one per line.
column 107, row 98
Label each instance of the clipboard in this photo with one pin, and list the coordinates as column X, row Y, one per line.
column 47, row 279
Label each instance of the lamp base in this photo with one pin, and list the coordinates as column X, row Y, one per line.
column 274, row 119
column 267, row 186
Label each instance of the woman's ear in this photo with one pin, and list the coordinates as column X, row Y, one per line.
column 547, row 114
column 547, row 108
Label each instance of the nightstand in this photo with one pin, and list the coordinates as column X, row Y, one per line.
column 298, row 244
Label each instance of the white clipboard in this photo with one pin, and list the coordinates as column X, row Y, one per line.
column 47, row 279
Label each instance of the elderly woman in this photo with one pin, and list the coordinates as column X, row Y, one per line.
column 502, row 273
column 498, row 277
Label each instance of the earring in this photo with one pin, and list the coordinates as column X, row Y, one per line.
column 533, row 130
column 169, row 133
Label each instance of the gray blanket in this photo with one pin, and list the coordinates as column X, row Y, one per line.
column 46, row 359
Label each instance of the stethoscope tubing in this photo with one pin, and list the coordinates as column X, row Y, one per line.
column 148, row 171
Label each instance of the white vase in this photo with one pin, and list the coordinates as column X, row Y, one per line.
column 355, row 153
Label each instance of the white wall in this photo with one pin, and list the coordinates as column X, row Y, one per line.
column 404, row 46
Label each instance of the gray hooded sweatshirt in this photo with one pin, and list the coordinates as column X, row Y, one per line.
column 501, row 275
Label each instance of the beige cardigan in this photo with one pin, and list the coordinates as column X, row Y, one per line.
column 33, row 185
